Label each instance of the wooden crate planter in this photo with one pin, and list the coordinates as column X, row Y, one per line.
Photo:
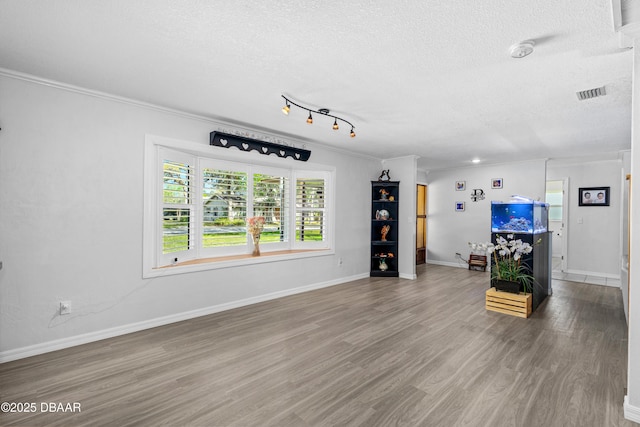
column 508, row 303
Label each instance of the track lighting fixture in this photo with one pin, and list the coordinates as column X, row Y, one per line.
column 322, row 111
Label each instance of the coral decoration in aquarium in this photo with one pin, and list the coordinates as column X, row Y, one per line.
column 519, row 217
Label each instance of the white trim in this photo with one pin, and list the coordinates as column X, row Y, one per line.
column 448, row 263
column 33, row 350
column 632, row 413
column 215, row 265
column 565, row 223
column 408, row 276
column 594, row 274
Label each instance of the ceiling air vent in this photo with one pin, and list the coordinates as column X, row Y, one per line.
column 591, row 93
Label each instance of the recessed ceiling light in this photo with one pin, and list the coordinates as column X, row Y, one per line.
column 475, row 161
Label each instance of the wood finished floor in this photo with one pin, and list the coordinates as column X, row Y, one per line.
column 374, row 352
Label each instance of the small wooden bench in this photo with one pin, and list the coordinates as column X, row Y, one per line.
column 478, row 262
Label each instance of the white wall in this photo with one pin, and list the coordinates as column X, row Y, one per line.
column 71, row 223
column 593, row 233
column 450, row 231
column 632, row 399
column 404, row 169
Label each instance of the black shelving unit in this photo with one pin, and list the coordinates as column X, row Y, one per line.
column 384, row 251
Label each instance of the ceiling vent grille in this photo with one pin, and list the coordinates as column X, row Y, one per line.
column 591, row 93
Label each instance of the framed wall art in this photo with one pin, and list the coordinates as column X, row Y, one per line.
column 459, row 206
column 593, row 196
column 496, row 183
column 461, row 185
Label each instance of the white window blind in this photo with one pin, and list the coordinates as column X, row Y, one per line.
column 224, row 208
column 310, row 209
column 178, row 212
column 271, row 201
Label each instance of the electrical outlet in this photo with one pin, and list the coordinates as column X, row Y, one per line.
column 65, row 307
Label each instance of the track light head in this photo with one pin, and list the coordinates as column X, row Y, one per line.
column 352, row 134
column 286, row 109
column 310, row 119
column 335, row 124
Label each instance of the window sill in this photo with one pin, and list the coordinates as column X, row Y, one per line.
column 204, row 264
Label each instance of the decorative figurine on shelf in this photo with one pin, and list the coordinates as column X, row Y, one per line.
column 382, row 214
column 385, row 173
column 383, row 265
column 383, row 194
column 392, row 199
column 255, row 224
column 384, row 231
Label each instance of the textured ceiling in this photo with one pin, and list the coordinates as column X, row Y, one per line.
column 429, row 78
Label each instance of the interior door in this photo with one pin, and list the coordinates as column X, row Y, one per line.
column 421, row 224
column 556, row 196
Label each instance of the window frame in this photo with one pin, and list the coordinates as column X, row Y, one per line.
column 190, row 252
column 225, row 165
column 298, row 175
column 200, row 259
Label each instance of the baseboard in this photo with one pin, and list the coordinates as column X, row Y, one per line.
column 46, row 347
column 408, row 276
column 632, row 413
column 592, row 277
column 449, row 264
column 594, row 274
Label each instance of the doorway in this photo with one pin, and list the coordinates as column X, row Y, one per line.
column 421, row 224
column 556, row 197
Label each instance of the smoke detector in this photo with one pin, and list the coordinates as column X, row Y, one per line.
column 522, row 49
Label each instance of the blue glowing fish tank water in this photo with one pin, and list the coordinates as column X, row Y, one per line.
column 529, row 217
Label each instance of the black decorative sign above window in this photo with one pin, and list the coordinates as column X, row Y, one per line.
column 226, row 140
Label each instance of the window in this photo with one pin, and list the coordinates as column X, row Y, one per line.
column 177, row 206
column 555, row 205
column 271, row 201
column 310, row 209
column 224, row 206
column 196, row 207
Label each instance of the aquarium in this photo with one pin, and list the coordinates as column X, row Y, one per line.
column 519, row 217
